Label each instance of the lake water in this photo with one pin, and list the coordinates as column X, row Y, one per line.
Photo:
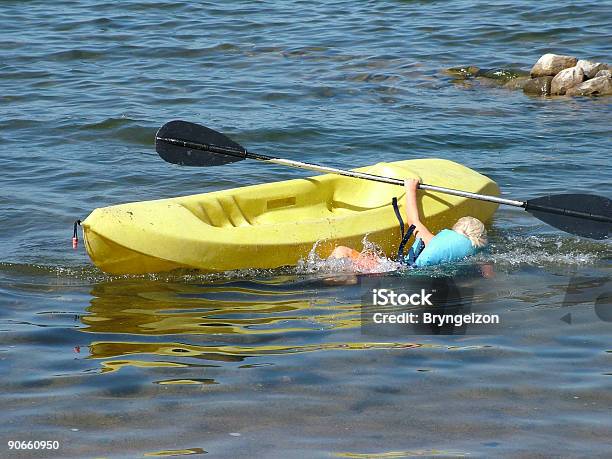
column 275, row 363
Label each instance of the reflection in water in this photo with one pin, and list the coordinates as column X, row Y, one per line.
column 269, row 358
column 102, row 350
column 178, row 325
column 184, row 322
column 176, row 452
column 402, row 454
column 118, row 364
column 157, row 308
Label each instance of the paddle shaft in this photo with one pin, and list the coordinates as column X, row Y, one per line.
column 332, row 170
column 189, row 144
column 465, row 194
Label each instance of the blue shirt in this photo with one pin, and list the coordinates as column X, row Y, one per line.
column 445, row 247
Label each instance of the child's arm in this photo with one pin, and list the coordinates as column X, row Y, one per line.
column 411, row 185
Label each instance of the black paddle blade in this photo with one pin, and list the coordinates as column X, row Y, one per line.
column 585, row 215
column 189, row 144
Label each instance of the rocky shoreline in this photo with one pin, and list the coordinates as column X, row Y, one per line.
column 552, row 75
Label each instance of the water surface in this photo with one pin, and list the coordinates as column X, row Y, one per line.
column 274, row 363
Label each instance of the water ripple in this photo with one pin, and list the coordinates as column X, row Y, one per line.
column 275, row 359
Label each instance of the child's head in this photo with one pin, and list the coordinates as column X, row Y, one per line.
column 473, row 229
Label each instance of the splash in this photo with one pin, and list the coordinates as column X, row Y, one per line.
column 544, row 251
column 313, row 263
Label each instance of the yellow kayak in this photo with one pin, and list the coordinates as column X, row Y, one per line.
column 276, row 224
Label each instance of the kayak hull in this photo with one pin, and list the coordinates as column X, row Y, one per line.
column 276, row 224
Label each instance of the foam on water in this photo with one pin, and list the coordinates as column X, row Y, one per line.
column 543, row 250
column 313, row 263
column 503, row 251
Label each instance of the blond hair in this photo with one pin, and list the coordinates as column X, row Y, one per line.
column 473, row 229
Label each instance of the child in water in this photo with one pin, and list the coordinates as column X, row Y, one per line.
column 467, row 236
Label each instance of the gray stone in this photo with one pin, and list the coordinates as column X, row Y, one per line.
column 598, row 86
column 606, row 72
column 539, row 86
column 517, row 83
column 551, row 64
column 589, row 68
column 566, row 79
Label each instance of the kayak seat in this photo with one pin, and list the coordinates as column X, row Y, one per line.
column 302, row 200
column 220, row 212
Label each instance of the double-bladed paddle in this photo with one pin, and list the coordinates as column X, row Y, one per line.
column 189, row 144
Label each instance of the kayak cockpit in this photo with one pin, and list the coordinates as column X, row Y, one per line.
column 301, row 200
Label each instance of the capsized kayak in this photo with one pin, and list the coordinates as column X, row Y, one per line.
column 276, row 224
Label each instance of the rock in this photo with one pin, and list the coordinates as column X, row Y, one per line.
column 589, row 68
column 598, row 86
column 517, row 83
column 539, row 86
column 551, row 64
column 463, row 72
column 501, row 75
column 566, row 79
column 606, row 72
